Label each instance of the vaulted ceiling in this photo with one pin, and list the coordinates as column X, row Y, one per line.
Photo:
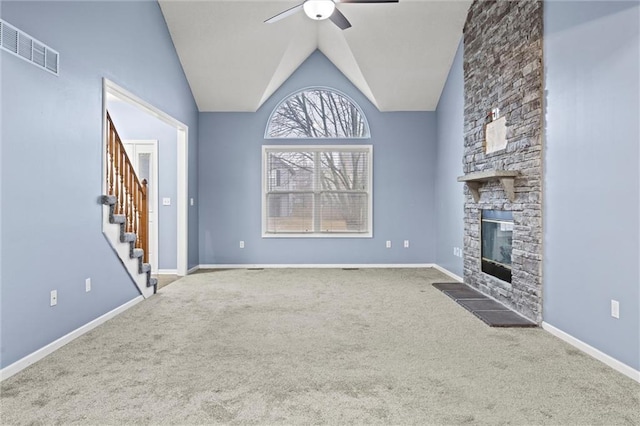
column 397, row 54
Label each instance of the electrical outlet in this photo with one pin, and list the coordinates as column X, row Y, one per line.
column 87, row 285
column 615, row 308
column 388, row 245
column 455, row 251
column 166, row 201
column 406, row 243
column 241, row 244
column 191, row 201
column 54, row 297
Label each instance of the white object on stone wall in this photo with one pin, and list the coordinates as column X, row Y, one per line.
column 496, row 135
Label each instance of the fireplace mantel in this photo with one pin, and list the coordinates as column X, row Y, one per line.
column 506, row 178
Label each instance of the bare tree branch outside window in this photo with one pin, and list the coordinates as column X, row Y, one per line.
column 317, row 113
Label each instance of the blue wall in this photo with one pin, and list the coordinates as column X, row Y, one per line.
column 230, row 184
column 132, row 123
column 591, row 182
column 52, row 159
column 450, row 150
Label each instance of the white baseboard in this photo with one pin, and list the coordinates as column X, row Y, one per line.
column 327, row 266
column 447, row 272
column 167, row 272
column 590, row 350
column 313, row 265
column 23, row 363
column 192, row 270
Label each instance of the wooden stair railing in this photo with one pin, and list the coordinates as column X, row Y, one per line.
column 123, row 183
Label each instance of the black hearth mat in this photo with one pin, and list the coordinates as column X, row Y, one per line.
column 494, row 313
column 503, row 319
column 448, row 286
column 482, row 305
column 464, row 293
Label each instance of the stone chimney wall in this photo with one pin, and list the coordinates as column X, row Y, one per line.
column 503, row 68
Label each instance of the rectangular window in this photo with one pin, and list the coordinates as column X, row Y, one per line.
column 316, row 191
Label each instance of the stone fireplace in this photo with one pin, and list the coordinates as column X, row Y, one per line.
column 502, row 161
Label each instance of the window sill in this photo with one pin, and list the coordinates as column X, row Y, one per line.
column 315, row 235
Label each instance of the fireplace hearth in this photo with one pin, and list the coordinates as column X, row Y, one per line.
column 496, row 234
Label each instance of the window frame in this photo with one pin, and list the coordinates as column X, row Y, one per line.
column 266, row 149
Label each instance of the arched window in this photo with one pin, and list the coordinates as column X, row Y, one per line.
column 317, row 113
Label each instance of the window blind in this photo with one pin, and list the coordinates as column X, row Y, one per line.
column 317, row 190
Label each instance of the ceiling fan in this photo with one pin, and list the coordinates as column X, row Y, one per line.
column 323, row 9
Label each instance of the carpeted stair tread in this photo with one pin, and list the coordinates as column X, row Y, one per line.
column 152, row 282
column 146, row 267
column 490, row 311
column 128, row 237
column 136, row 252
column 118, row 218
column 108, row 200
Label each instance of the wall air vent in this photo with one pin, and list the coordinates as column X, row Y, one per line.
column 28, row 48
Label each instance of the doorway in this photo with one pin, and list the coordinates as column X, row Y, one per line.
column 113, row 91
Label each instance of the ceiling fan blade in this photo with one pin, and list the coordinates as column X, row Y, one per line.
column 340, row 20
column 367, row 1
column 284, row 14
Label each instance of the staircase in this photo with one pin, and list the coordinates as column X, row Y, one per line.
column 132, row 257
column 126, row 206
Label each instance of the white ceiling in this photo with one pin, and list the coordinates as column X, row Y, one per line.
column 397, row 54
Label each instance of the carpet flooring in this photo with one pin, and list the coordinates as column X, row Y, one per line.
column 314, row 346
column 165, row 279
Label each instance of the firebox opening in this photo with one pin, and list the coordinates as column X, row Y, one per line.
column 496, row 234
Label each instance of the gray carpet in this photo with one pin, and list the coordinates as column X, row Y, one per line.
column 165, row 280
column 307, row 346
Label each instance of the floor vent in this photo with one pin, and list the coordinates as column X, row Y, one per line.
column 28, row 48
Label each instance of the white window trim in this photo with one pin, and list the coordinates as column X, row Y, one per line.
column 317, row 148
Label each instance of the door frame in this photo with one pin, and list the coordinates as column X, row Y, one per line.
column 109, row 88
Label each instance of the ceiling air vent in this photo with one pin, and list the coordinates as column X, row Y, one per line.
column 28, row 48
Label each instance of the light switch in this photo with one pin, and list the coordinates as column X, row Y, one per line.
column 166, row 201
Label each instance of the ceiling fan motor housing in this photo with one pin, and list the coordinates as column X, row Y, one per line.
column 319, row 9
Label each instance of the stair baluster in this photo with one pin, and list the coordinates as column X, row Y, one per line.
column 131, row 194
column 110, row 164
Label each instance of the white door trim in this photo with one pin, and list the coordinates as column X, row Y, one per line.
column 182, row 203
column 182, row 178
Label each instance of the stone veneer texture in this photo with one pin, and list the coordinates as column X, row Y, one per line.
column 503, row 69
